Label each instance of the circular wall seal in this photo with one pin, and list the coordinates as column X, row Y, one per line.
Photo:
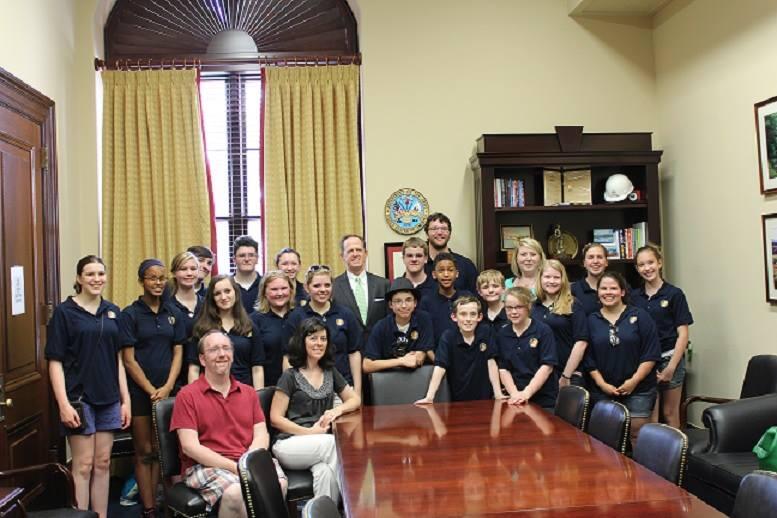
column 406, row 211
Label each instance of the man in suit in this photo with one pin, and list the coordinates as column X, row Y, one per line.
column 357, row 289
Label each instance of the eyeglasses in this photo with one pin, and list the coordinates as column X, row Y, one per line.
column 614, row 339
column 318, row 268
column 510, row 309
column 155, row 279
column 216, row 350
column 439, row 229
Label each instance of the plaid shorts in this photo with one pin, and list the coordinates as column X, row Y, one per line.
column 211, row 483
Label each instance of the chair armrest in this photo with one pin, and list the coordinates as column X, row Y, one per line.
column 737, row 426
column 696, row 399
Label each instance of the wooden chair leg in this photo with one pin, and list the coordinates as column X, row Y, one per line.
column 292, row 508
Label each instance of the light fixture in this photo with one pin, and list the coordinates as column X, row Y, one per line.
column 232, row 44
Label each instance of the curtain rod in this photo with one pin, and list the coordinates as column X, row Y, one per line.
column 183, row 63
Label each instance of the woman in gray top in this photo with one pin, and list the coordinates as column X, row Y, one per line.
column 303, row 407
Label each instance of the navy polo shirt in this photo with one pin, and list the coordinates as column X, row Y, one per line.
column 87, row 346
column 203, row 290
column 153, row 335
column 466, row 365
column 248, row 351
column 425, row 288
column 669, row 309
column 248, row 296
column 468, row 273
column 499, row 320
column 300, row 293
column 345, row 332
column 270, row 326
column 189, row 345
column 586, row 296
column 637, row 343
column 439, row 308
column 567, row 329
column 385, row 336
column 523, row 355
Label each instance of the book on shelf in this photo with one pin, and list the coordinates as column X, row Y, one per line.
column 509, row 192
column 622, row 243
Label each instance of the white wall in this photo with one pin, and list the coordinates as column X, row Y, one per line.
column 439, row 73
column 48, row 45
column 713, row 62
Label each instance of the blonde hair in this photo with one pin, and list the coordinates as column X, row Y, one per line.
column 564, row 300
column 524, row 295
column 262, row 304
column 532, row 244
column 178, row 261
column 489, row 276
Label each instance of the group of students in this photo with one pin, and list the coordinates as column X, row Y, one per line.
column 532, row 337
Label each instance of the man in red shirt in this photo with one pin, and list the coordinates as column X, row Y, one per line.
column 218, row 419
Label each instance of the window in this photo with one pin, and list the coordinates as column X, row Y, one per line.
column 232, row 123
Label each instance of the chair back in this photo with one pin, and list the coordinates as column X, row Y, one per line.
column 404, row 386
column 610, row 422
column 757, row 496
column 166, row 441
column 320, row 507
column 760, row 376
column 265, row 401
column 663, row 450
column 572, row 405
column 259, row 482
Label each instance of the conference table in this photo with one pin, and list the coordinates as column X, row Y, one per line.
column 489, row 458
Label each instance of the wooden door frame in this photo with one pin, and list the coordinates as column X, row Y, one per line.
column 21, row 98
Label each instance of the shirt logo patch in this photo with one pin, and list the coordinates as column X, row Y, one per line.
column 414, row 335
column 483, row 347
column 303, row 303
column 171, row 319
column 633, row 319
column 664, row 303
column 533, row 342
column 111, row 314
column 340, row 322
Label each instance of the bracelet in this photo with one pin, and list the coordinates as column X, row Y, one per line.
column 566, row 377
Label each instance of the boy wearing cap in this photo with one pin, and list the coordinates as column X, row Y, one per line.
column 403, row 338
column 467, row 356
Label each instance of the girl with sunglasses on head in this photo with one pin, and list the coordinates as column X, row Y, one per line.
column 667, row 305
column 152, row 334
column 223, row 311
column 623, row 351
column 556, row 306
column 344, row 328
column 289, row 261
column 276, row 300
column 86, row 371
column 303, row 407
column 526, row 264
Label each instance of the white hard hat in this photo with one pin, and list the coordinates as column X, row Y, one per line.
column 618, row 187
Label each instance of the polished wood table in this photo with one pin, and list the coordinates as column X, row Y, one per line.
column 491, row 458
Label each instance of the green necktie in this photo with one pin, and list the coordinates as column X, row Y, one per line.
column 361, row 298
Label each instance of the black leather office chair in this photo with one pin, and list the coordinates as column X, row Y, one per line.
column 757, row 496
column 663, row 450
column 760, row 379
column 57, row 499
column 572, row 405
column 259, row 482
column 405, row 386
column 320, row 507
column 300, row 480
column 610, row 422
column 180, row 499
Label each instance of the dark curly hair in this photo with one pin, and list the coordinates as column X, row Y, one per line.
column 298, row 355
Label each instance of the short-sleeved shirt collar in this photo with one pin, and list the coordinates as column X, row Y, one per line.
column 203, row 385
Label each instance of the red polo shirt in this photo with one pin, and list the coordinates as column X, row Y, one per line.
column 225, row 425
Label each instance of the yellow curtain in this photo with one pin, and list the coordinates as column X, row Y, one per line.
column 312, row 180
column 155, row 197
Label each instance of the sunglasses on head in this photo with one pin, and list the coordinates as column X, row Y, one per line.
column 318, row 268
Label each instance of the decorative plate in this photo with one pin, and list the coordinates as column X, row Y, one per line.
column 406, row 211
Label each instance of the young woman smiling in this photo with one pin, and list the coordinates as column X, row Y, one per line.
column 526, row 265
column 273, row 307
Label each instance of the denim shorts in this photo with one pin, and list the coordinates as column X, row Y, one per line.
column 679, row 374
column 97, row 418
column 640, row 404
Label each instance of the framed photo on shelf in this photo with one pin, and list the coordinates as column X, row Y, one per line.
column 392, row 255
column 511, row 234
column 769, row 225
column 766, row 131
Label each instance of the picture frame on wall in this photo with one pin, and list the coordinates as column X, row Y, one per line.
column 769, row 227
column 511, row 234
column 766, row 133
column 392, row 256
